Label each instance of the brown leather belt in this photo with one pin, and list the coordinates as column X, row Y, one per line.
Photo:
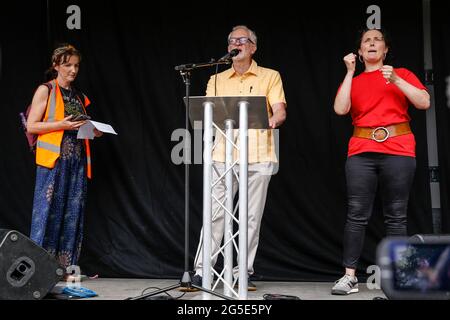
column 381, row 134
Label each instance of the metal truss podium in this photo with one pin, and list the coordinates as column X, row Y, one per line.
column 225, row 114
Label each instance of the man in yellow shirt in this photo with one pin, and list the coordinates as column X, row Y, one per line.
column 246, row 78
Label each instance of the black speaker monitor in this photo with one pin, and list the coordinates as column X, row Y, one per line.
column 27, row 271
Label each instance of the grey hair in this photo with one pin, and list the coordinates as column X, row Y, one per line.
column 251, row 33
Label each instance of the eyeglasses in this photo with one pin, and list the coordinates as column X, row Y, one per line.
column 241, row 40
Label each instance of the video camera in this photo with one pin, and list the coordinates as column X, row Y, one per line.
column 416, row 267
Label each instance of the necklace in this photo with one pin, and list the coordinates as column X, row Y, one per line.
column 67, row 93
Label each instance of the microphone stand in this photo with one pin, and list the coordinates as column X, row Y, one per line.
column 192, row 66
column 186, row 280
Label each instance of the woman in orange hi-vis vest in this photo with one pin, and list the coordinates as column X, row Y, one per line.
column 63, row 161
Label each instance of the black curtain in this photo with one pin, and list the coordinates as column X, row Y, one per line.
column 24, row 59
column 135, row 213
column 441, row 67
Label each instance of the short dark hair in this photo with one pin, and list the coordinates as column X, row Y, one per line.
column 386, row 37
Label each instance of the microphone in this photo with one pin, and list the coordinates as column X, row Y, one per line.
column 229, row 55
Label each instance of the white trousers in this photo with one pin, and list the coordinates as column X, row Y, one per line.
column 259, row 175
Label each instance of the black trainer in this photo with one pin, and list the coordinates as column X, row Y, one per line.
column 197, row 280
column 251, row 286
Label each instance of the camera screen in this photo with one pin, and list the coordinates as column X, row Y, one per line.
column 421, row 267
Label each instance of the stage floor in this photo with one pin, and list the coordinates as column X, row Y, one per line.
column 120, row 289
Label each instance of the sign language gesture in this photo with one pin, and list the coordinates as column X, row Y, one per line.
column 350, row 62
column 388, row 73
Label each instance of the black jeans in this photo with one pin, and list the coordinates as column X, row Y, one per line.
column 364, row 172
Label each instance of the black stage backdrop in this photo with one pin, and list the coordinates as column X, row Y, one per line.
column 135, row 214
column 441, row 65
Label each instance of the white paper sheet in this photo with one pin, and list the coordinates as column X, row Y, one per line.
column 86, row 131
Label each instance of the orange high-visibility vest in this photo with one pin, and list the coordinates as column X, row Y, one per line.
column 48, row 144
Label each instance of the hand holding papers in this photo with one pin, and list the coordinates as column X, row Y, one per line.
column 86, row 131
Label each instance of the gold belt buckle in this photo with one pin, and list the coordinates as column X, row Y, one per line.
column 380, row 134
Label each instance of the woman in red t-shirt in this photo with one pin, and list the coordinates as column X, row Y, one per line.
column 382, row 148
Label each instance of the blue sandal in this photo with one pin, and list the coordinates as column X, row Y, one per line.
column 79, row 292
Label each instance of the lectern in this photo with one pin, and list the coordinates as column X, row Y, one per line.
column 226, row 114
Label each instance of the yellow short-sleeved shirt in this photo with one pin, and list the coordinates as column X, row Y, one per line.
column 257, row 81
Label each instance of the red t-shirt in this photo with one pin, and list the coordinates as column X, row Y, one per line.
column 377, row 104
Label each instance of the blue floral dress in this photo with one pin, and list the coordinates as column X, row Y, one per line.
column 59, row 197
